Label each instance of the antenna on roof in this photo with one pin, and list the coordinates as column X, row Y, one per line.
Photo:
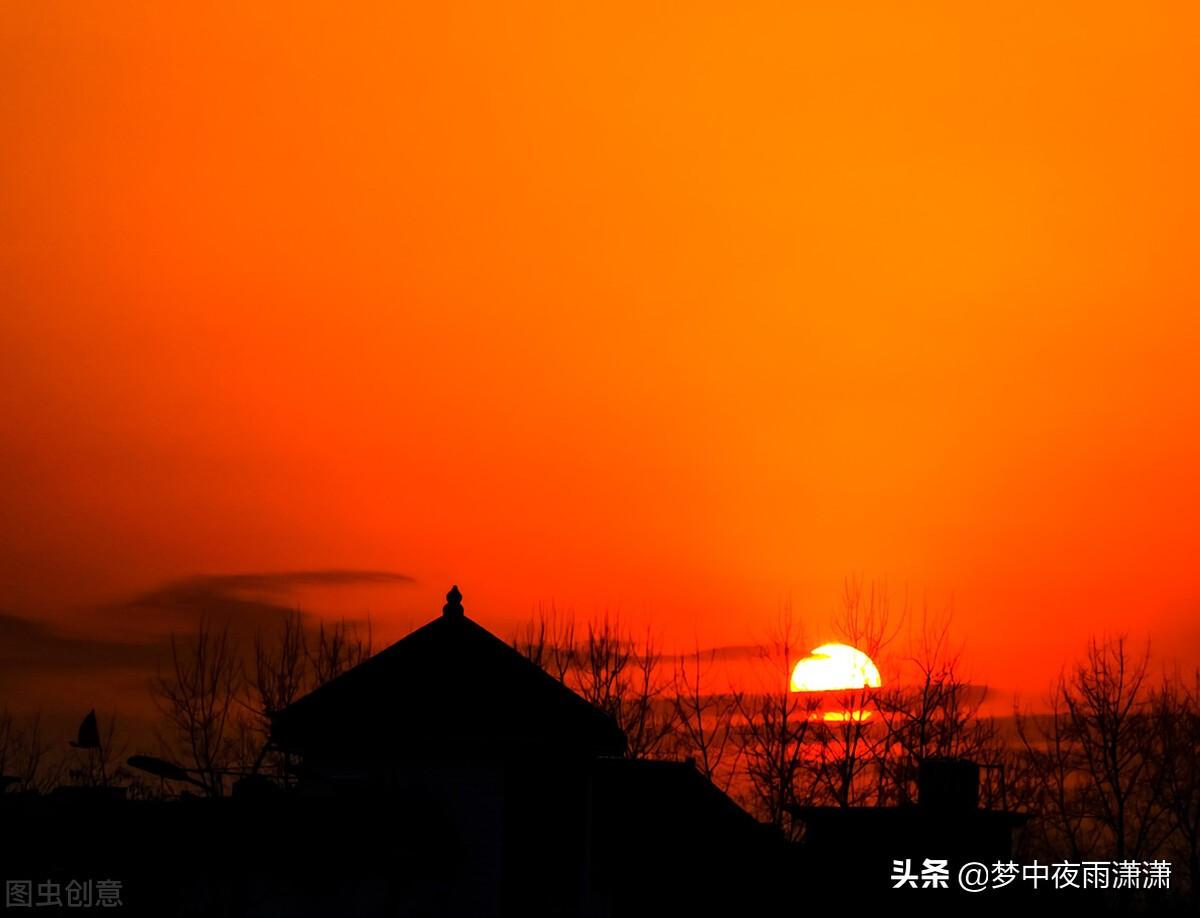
column 453, row 607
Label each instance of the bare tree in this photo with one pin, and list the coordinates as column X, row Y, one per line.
column 624, row 679
column 846, row 744
column 24, row 755
column 618, row 673
column 933, row 715
column 773, row 730
column 1177, row 722
column 281, row 672
column 199, row 698
column 339, row 647
column 705, row 721
column 866, row 618
column 1052, row 765
column 1097, row 757
column 280, row 675
column 1109, row 710
column 549, row 641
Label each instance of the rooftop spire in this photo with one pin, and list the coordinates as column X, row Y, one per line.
column 453, row 606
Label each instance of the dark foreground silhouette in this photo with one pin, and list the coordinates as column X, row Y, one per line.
column 448, row 775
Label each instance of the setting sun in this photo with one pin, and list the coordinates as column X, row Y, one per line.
column 835, row 666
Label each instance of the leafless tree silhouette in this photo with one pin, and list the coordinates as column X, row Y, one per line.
column 705, row 730
column 280, row 674
column 1176, row 708
column 338, row 647
column 549, row 641
column 1097, row 757
column 618, row 672
column 25, row 755
column 623, row 678
column 935, row 714
column 199, row 699
column 773, row 729
column 290, row 662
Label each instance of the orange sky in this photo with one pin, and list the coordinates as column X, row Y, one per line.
column 682, row 310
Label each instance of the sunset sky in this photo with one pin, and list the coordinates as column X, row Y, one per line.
column 687, row 311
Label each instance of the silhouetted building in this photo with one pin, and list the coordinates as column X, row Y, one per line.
column 858, row 847
column 455, row 718
column 666, row 841
column 525, row 776
column 449, row 691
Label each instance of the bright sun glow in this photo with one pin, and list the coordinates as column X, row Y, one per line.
column 834, row 666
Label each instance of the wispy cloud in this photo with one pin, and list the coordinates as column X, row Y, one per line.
column 32, row 646
column 244, row 600
column 720, row 653
column 134, row 633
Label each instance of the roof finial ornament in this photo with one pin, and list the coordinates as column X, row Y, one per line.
column 453, row 606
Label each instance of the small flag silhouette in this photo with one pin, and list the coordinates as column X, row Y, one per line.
column 89, row 733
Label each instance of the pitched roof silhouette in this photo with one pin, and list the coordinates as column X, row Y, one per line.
column 450, row 689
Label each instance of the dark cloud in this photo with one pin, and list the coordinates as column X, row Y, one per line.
column 724, row 652
column 135, row 633
column 27, row 645
column 707, row 654
column 274, row 581
column 245, row 601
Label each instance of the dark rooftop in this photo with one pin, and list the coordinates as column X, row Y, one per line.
column 447, row 690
